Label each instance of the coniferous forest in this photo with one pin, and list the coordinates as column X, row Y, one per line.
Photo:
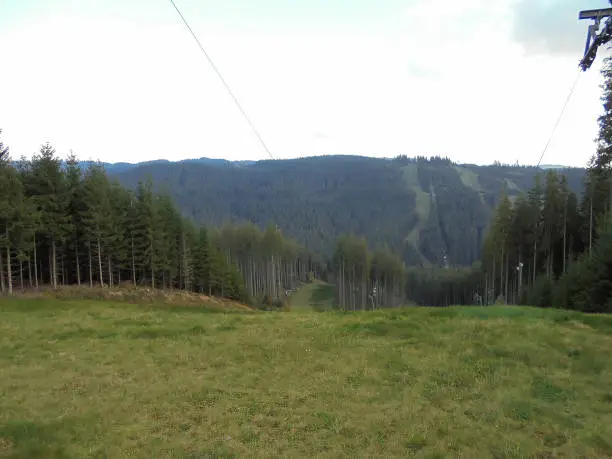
column 63, row 226
column 549, row 245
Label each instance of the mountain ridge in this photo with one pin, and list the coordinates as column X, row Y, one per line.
column 123, row 165
column 425, row 209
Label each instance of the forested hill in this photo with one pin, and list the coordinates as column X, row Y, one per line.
column 424, row 209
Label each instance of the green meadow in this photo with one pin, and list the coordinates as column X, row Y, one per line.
column 100, row 379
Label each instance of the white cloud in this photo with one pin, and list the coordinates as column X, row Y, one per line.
column 130, row 84
column 552, row 27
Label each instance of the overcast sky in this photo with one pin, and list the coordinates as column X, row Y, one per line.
column 474, row 80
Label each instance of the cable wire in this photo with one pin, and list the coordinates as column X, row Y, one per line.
column 552, row 134
column 222, row 80
column 554, row 129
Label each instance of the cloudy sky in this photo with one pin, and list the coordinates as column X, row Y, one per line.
column 122, row 80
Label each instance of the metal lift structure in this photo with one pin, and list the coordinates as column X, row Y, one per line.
column 595, row 37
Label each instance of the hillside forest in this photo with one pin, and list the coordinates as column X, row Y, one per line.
column 384, row 232
column 425, row 209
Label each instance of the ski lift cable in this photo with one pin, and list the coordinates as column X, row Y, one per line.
column 551, row 136
column 210, row 61
column 560, row 117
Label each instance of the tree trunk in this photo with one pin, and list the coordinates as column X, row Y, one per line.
column 565, row 239
column 609, row 192
column 493, row 283
column 100, row 263
column 341, row 286
column 552, row 264
column 90, row 265
column 501, row 272
column 133, row 263
column 54, row 261
column 63, row 270
column 41, row 270
column 9, row 274
column 29, row 272
column 535, row 255
column 507, row 272
column 50, row 263
column 2, row 285
column 21, row 273
column 591, row 227
column 35, row 264
column 353, row 288
column 110, row 272
column 520, row 282
column 363, row 291
column 152, row 266
column 78, row 264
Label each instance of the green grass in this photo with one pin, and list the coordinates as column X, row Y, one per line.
column 317, row 296
column 97, row 379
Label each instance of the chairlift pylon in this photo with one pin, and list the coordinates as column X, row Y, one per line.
column 595, row 38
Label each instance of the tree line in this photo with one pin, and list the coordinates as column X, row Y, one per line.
column 545, row 247
column 61, row 225
column 364, row 279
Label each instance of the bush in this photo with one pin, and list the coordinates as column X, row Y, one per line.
column 587, row 285
column 500, row 301
column 273, row 304
column 568, row 287
column 540, row 293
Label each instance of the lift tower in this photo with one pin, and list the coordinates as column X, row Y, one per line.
column 595, row 37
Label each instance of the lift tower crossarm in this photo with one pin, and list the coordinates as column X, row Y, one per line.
column 594, row 14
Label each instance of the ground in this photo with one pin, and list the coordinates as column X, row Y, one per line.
column 317, row 296
column 102, row 379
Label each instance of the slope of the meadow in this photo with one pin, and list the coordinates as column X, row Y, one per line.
column 317, row 296
column 102, row 379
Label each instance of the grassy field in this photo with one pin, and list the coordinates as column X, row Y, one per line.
column 317, row 296
column 97, row 379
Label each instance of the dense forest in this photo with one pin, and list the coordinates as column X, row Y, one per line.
column 66, row 223
column 546, row 247
column 426, row 209
column 62, row 225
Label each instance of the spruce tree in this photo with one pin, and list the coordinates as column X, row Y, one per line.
column 4, row 150
column 97, row 219
column 76, row 210
column 46, row 184
column 201, row 263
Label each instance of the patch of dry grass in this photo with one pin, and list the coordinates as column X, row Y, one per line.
column 98, row 379
column 135, row 295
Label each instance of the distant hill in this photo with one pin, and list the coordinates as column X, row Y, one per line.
column 553, row 166
column 423, row 209
column 114, row 168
